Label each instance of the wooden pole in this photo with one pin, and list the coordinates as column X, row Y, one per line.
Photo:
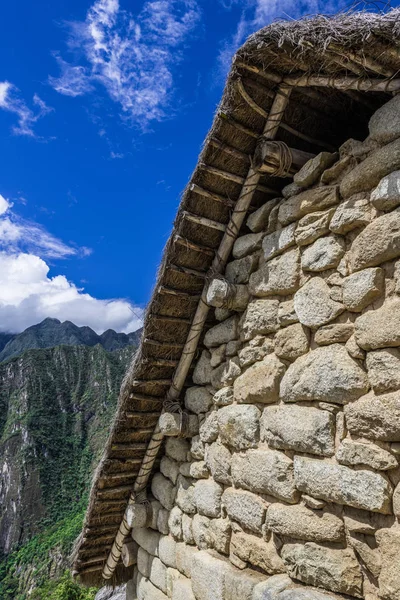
column 345, row 83
column 238, row 215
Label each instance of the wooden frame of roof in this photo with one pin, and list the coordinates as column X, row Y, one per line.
column 310, row 84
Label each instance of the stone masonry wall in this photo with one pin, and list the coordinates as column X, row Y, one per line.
column 291, row 491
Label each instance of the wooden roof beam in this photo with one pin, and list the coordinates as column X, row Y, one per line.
column 197, row 189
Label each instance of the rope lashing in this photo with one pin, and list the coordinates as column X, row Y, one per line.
column 282, row 156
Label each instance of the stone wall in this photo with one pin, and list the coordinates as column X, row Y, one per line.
column 291, row 488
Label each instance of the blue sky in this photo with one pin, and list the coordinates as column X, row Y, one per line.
column 104, row 105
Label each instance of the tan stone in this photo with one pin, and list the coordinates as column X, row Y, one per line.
column 323, row 254
column 239, row 271
column 218, row 460
column 239, row 426
column 354, row 212
column 326, row 374
column 370, row 557
column 311, row 171
column 302, row 523
column 389, row 578
column 286, row 313
column 258, row 220
column 386, row 195
column 334, row 333
column 279, row 276
column 261, row 317
column 222, row 333
column 384, row 370
column 352, row 452
column 255, row 351
column 245, row 508
column 257, row 552
column 362, row 288
column 313, row 226
column 202, row 370
column 313, row 304
column 378, row 242
column 306, row 202
column 354, row 349
column 277, row 242
column 292, row 342
column 384, row 125
column 379, row 328
column 260, row 382
column 247, row 244
column 375, row 417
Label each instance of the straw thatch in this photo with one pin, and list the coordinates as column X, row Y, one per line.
column 362, row 45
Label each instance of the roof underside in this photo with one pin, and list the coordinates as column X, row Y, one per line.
column 361, row 44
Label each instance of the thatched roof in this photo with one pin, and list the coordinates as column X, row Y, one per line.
column 361, row 45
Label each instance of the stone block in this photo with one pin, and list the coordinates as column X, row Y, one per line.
column 313, row 226
column 185, row 495
column 292, row 342
column 201, row 532
column 144, row 560
column 222, row 333
column 260, row 382
column 182, row 589
column 325, row 253
column 384, row 370
column 247, row 244
column 223, row 397
column 208, row 576
column 326, row 374
column 377, row 243
column 225, row 374
column 302, row 523
column 389, row 578
column 386, row 196
column 257, row 552
column 277, row 242
column 184, row 558
column 379, row 328
column 198, row 400
column 354, row 212
column 362, row 288
column 335, row 483
column 265, row 472
column 375, row 417
column 198, row 470
column 258, row 220
column 177, row 448
column 370, row 171
column 245, row 508
column 260, row 318
column 271, row 588
column 310, row 201
column 158, row 574
column 207, row 496
column 239, row 271
column 147, row 591
column 286, row 313
column 384, row 125
column 202, row 371
column 313, row 304
column 197, row 448
column 312, row 170
column 352, row 452
column 279, row 276
column 255, row 350
column 147, row 539
column 240, row 584
column 341, row 571
column 175, row 523
column 167, row 551
column 170, row 424
column 187, row 529
column 300, row 428
column 169, row 468
column 292, row 189
column 209, row 428
column 218, row 461
column 239, row 426
column 220, row 535
column 333, row 334
column 220, row 292
column 354, row 349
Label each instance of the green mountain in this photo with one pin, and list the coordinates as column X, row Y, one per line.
column 51, row 332
column 56, row 406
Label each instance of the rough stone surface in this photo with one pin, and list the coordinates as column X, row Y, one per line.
column 239, row 426
column 146, row 590
column 313, row 226
column 384, row 370
column 158, row 574
column 354, row 349
column 184, row 558
column 313, row 304
column 256, row 551
column 379, row 328
column 278, row 276
column 368, row 173
column 306, row 202
column 386, row 195
column 209, row 428
column 260, row 383
column 265, row 472
column 247, row 244
column 313, row 169
column 326, row 374
column 335, row 483
column 219, row 290
column 301, row 428
column 292, row 342
column 207, row 496
column 258, row 220
column 240, row 584
column 271, row 588
column 169, row 468
column 163, row 490
column 275, row 243
column 224, row 396
column 147, row 539
column 260, row 317
column 333, row 334
column 175, row 523
column 384, row 125
column 377, row 243
column 389, row 578
column 185, row 495
column 376, row 417
column 245, row 508
column 218, row 460
column 197, row 448
column 167, row 551
column 286, row 313
column 198, row 470
column 202, row 370
column 351, row 452
column 325, row 253
column 354, row 212
column 222, row 333
column 177, row 449
column 208, row 576
column 239, row 271
column 256, row 350
column 302, row 523
column 225, row 374
column 340, row 573
column 198, row 400
column 362, row 288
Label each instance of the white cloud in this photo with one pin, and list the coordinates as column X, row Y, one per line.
column 4, row 205
column 133, row 57
column 28, row 295
column 258, row 13
column 10, row 101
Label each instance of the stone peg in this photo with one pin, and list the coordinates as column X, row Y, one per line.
column 173, row 424
column 222, row 294
column 129, row 554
